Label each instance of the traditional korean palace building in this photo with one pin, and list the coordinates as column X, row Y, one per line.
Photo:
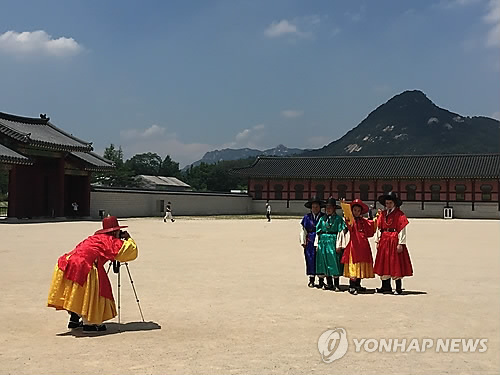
column 426, row 183
column 48, row 168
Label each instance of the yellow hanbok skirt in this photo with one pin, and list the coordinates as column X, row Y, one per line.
column 361, row 270
column 84, row 300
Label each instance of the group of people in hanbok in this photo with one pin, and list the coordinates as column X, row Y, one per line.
column 337, row 245
column 334, row 246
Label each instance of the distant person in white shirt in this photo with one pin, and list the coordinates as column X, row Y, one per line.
column 268, row 212
column 168, row 213
column 75, row 208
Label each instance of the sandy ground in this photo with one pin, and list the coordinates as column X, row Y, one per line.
column 230, row 297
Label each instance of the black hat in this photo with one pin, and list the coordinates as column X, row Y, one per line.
column 312, row 200
column 392, row 197
column 332, row 201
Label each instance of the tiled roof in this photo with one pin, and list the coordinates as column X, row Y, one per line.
column 94, row 162
column 9, row 156
column 359, row 167
column 41, row 133
column 164, row 181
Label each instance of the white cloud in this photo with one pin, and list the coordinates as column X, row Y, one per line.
column 283, row 28
column 453, row 4
column 37, row 42
column 304, row 27
column 291, row 113
column 247, row 138
column 157, row 139
column 493, row 18
column 151, row 132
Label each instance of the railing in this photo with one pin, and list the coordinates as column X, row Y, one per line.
column 3, row 211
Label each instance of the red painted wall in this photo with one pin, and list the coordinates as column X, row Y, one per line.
column 423, row 188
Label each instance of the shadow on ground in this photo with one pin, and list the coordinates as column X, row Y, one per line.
column 113, row 328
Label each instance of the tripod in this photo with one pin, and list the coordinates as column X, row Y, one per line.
column 116, row 269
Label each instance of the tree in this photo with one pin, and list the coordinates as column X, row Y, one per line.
column 148, row 163
column 115, row 155
column 121, row 175
column 169, row 168
column 217, row 177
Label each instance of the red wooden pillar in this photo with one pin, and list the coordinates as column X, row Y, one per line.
column 447, row 192
column 59, row 182
column 310, row 187
column 473, row 194
column 498, row 194
column 86, row 196
column 423, row 192
column 288, row 194
column 12, row 208
column 352, row 190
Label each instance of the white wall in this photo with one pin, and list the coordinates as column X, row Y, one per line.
column 145, row 203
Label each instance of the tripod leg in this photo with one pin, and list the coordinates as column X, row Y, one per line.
column 135, row 293
column 109, row 267
column 119, row 285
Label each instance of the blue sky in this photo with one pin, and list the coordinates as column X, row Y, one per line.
column 186, row 77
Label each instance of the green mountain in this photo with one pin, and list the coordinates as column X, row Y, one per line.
column 410, row 123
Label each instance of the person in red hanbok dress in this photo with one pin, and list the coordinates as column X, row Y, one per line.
column 393, row 260
column 80, row 284
column 357, row 258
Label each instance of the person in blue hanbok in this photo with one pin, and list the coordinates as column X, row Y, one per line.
column 308, row 236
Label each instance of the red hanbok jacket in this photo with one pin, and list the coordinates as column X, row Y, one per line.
column 388, row 260
column 358, row 247
column 96, row 249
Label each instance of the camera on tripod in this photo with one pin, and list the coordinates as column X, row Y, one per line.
column 116, row 266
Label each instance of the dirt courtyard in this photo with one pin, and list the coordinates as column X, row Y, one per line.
column 230, row 296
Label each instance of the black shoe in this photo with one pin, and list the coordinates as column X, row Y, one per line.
column 353, row 291
column 399, row 287
column 321, row 284
column 311, row 282
column 74, row 321
column 386, row 287
column 173, row 220
column 359, row 287
column 164, row 220
column 73, row 325
column 336, row 287
column 329, row 283
column 94, row 327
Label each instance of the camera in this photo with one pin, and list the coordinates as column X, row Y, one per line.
column 122, row 234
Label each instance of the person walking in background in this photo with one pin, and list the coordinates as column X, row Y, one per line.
column 168, row 213
column 268, row 212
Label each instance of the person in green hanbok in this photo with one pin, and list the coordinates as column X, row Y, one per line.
column 329, row 242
